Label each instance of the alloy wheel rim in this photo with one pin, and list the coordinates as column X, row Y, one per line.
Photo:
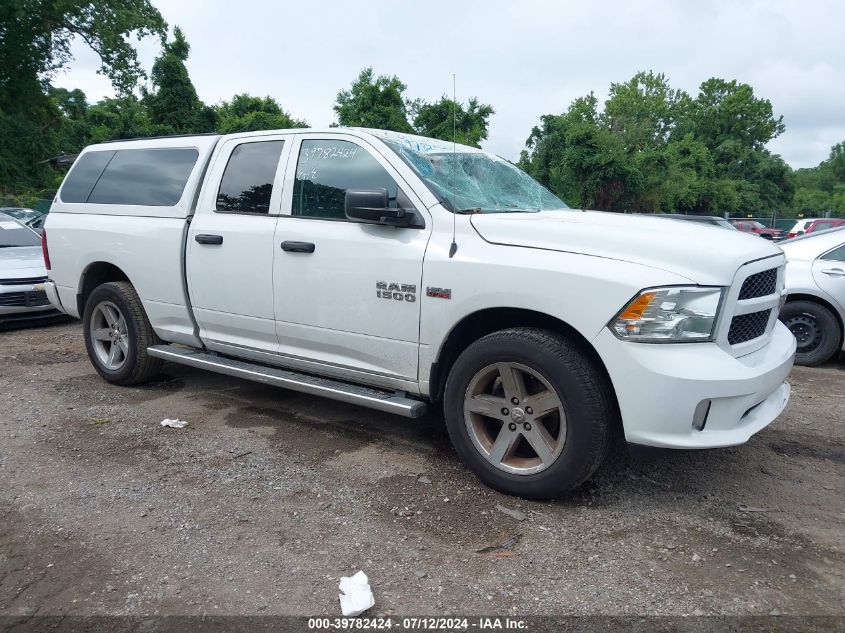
column 109, row 335
column 515, row 418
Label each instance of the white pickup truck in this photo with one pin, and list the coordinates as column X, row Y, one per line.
column 395, row 272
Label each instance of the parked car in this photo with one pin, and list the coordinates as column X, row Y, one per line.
column 815, row 302
column 824, row 224
column 752, row 226
column 701, row 219
column 22, row 214
column 800, row 227
column 22, row 274
column 398, row 272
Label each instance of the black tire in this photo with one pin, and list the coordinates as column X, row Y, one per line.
column 137, row 366
column 582, row 388
column 816, row 329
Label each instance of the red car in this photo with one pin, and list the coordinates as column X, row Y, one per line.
column 823, row 225
column 751, row 226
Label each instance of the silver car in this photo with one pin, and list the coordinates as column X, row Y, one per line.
column 815, row 305
column 22, row 274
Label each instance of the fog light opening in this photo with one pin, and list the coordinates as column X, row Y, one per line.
column 699, row 418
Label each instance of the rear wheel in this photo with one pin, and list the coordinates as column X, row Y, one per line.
column 117, row 334
column 816, row 331
column 528, row 412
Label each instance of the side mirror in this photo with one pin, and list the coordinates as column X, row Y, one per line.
column 371, row 207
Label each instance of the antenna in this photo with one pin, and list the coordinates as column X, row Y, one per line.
column 454, row 247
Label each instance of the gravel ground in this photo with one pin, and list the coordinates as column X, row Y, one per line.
column 267, row 497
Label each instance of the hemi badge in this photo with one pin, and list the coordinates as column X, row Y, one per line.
column 440, row 293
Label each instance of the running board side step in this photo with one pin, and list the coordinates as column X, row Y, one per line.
column 391, row 402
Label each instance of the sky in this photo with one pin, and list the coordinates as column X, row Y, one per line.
column 526, row 58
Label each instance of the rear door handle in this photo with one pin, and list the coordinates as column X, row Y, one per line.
column 834, row 272
column 298, row 247
column 209, row 239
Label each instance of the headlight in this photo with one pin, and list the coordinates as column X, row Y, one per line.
column 669, row 315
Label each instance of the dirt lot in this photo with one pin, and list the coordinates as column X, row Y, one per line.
column 268, row 497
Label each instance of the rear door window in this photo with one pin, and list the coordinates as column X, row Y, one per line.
column 247, row 183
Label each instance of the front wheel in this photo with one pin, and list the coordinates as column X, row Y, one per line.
column 815, row 329
column 529, row 412
column 118, row 333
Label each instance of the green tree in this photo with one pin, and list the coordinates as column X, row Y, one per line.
column 687, row 183
column 173, row 105
column 578, row 158
column 120, row 117
column 836, row 162
column 653, row 148
column 822, row 188
column 728, row 112
column 35, row 39
column 435, row 120
column 374, row 102
column 642, row 114
column 245, row 113
column 644, row 110
column 74, row 129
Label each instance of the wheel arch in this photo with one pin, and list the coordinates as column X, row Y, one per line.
column 486, row 321
column 95, row 274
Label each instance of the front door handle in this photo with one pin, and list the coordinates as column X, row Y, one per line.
column 298, row 247
column 209, row 239
column 834, row 272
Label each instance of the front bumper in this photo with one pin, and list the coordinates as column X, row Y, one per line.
column 24, row 301
column 659, row 388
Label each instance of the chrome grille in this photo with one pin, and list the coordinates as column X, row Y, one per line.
column 747, row 327
column 759, row 285
column 22, row 281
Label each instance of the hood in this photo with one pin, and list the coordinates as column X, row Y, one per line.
column 22, row 261
column 704, row 254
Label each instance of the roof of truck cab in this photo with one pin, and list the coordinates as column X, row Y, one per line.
column 415, row 142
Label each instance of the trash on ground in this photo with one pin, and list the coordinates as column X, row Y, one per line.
column 356, row 596
column 174, row 423
column 502, row 549
column 745, row 508
column 516, row 514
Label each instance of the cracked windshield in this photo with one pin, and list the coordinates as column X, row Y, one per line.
column 477, row 182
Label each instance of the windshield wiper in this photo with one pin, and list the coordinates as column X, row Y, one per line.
column 469, row 211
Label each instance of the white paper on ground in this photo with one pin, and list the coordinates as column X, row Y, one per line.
column 357, row 596
column 174, row 424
